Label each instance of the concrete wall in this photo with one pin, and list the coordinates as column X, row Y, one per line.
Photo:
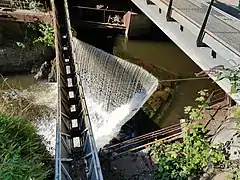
column 139, row 25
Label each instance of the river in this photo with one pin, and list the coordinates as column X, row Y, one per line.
column 18, row 81
column 166, row 55
column 163, row 54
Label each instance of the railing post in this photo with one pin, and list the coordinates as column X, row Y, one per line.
column 202, row 30
column 104, row 14
column 169, row 11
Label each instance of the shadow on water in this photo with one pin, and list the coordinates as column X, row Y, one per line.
column 19, row 81
column 101, row 38
column 154, row 35
column 138, row 125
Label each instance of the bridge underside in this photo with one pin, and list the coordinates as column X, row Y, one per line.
column 184, row 32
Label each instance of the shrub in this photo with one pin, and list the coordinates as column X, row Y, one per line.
column 187, row 159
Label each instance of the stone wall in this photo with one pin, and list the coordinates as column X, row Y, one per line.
column 14, row 59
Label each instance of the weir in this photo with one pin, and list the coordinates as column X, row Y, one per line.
column 97, row 94
column 114, row 89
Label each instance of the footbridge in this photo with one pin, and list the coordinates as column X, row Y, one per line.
column 208, row 35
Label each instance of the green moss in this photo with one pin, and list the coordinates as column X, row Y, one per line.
column 22, row 153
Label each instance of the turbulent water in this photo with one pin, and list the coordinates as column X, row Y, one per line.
column 114, row 89
column 45, row 94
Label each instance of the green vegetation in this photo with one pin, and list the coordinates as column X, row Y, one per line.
column 236, row 114
column 187, row 159
column 194, row 154
column 35, row 5
column 47, row 34
column 22, row 153
column 37, row 34
column 232, row 74
column 195, row 113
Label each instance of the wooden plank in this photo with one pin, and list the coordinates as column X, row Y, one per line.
column 8, row 14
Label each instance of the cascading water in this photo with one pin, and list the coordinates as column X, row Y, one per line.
column 114, row 89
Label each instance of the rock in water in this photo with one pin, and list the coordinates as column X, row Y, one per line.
column 52, row 76
column 44, row 71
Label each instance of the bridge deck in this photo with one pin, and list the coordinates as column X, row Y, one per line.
column 220, row 25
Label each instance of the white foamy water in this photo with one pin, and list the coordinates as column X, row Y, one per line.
column 114, row 89
column 45, row 94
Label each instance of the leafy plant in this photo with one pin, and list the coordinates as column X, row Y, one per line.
column 187, row 159
column 37, row 33
column 233, row 75
column 47, row 35
column 236, row 114
column 34, row 5
column 22, row 152
column 195, row 113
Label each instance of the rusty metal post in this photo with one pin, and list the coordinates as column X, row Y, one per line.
column 149, row 2
column 202, row 30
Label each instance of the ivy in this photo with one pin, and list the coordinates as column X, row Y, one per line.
column 187, row 159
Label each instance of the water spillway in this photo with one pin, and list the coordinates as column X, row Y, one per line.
column 114, row 89
column 97, row 93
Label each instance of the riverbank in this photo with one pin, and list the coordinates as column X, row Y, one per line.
column 27, row 122
column 19, row 53
column 36, row 104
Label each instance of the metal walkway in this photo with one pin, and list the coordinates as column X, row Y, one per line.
column 208, row 35
column 220, row 25
column 76, row 153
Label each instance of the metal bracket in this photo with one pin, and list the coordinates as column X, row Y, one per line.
column 202, row 30
column 149, row 2
column 169, row 12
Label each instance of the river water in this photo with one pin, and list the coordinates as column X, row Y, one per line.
column 166, row 55
column 19, row 81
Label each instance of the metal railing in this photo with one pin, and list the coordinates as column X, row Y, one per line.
column 75, row 143
column 97, row 15
column 219, row 25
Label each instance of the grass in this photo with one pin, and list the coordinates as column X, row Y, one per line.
column 22, row 152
